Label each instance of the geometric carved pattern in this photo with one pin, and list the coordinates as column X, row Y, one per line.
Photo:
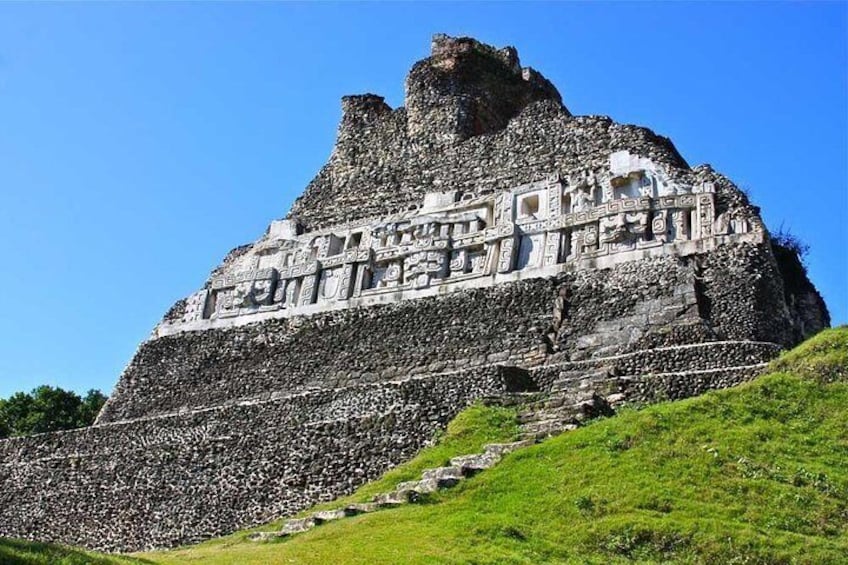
column 532, row 227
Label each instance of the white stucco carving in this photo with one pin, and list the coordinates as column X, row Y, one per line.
column 591, row 219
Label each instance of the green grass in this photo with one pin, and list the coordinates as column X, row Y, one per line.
column 823, row 358
column 19, row 552
column 753, row 474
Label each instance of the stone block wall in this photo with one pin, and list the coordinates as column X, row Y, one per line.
column 333, row 349
column 164, row 481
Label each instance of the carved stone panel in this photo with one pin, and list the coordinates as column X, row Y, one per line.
column 308, row 289
column 552, row 247
column 706, row 216
column 477, row 262
column 329, row 284
column 506, row 258
column 459, row 261
column 195, row 306
column 347, row 280
column 659, row 226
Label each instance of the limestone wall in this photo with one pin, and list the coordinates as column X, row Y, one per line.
column 333, row 349
column 182, row 478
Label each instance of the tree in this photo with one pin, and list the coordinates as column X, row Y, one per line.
column 48, row 409
column 91, row 405
column 5, row 430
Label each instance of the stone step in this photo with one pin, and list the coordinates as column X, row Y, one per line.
column 564, row 413
column 405, row 492
column 328, row 516
column 550, row 423
column 572, row 387
column 570, row 409
column 472, row 464
column 616, row 399
column 296, row 526
column 263, row 536
column 359, row 508
column 517, row 398
column 423, row 486
column 453, row 472
column 545, row 433
column 576, row 380
column 391, row 499
column 502, row 449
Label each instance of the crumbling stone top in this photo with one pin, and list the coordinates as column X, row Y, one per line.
column 474, row 120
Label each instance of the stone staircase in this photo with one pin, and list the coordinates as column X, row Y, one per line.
column 573, row 399
column 460, row 468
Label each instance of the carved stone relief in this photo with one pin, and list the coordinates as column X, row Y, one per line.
column 591, row 214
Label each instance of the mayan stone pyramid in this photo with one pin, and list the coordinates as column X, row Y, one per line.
column 478, row 242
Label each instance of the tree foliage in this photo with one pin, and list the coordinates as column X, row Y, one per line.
column 48, row 409
column 791, row 253
column 784, row 238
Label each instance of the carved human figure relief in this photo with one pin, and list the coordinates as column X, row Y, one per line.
column 577, row 238
column 280, row 293
column 262, row 292
column 584, row 199
column 291, row 293
column 721, row 226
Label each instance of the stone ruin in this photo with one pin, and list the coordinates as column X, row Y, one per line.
column 478, row 242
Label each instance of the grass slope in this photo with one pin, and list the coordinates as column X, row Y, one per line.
column 753, row 474
column 19, row 552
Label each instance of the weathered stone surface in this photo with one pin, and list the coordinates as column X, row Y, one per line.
column 479, row 243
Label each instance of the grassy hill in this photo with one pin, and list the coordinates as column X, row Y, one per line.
column 18, row 552
column 754, row 474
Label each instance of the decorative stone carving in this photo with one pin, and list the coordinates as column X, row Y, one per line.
column 535, row 228
column 477, row 262
column 195, row 306
column 244, row 290
column 505, row 261
column 459, row 261
column 623, row 229
column 659, row 226
column 529, row 252
column 330, row 283
column 308, row 290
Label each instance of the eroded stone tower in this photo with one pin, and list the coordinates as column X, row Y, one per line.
column 478, row 241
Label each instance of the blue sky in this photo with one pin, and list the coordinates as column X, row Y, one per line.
column 141, row 141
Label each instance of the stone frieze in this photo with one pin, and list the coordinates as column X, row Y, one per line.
column 586, row 220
